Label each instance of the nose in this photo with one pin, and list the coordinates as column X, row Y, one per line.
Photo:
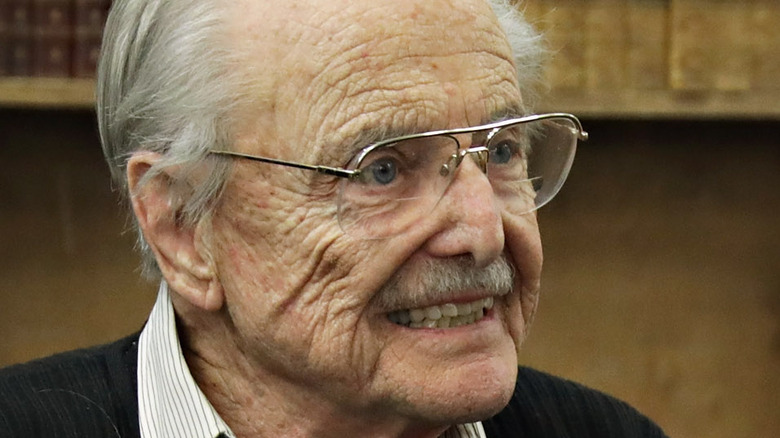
column 468, row 217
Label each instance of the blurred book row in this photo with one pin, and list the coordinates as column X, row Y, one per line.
column 51, row 38
column 677, row 45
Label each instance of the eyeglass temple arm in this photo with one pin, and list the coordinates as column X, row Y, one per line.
column 334, row 171
column 581, row 133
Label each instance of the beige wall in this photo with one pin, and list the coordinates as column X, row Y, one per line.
column 66, row 268
column 662, row 281
column 662, row 276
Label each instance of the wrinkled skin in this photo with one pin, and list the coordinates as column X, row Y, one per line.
column 297, row 339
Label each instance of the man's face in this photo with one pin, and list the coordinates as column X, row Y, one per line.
column 311, row 305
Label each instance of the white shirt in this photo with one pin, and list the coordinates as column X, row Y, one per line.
column 170, row 403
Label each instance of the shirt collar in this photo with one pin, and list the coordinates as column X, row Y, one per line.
column 170, row 403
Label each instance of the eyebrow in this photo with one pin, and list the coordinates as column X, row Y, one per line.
column 368, row 136
column 376, row 135
column 511, row 111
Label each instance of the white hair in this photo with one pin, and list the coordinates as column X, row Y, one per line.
column 527, row 48
column 167, row 83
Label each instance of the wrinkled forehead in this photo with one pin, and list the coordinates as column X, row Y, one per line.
column 335, row 73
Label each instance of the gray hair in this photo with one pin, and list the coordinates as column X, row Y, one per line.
column 527, row 48
column 167, row 83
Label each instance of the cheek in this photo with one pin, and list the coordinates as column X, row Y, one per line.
column 314, row 325
column 524, row 246
column 262, row 245
column 293, row 281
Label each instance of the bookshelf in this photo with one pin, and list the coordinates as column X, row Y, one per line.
column 57, row 93
column 639, row 59
column 76, row 93
column 665, row 104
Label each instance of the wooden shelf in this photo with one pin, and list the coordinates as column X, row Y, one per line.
column 69, row 93
column 64, row 93
column 666, row 104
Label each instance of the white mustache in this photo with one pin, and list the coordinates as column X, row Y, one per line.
column 442, row 280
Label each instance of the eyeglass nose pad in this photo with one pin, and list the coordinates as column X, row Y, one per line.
column 449, row 167
column 478, row 154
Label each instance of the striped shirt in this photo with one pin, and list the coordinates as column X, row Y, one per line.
column 170, row 403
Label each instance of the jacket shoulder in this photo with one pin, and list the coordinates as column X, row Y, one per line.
column 547, row 406
column 84, row 393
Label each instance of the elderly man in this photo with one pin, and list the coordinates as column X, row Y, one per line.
column 338, row 197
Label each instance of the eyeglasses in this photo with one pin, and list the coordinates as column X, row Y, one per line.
column 392, row 184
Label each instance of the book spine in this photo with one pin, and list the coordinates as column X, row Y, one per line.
column 605, row 44
column 52, row 37
column 709, row 49
column 5, row 22
column 89, row 19
column 565, row 37
column 17, row 52
column 765, row 45
column 648, row 45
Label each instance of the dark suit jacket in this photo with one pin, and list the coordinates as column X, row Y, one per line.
column 92, row 393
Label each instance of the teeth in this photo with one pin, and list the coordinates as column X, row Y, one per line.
column 449, row 310
column 444, row 316
column 433, row 312
column 417, row 315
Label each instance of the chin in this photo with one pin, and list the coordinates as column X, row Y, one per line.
column 462, row 394
column 486, row 393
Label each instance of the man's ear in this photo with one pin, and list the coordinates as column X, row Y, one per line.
column 181, row 250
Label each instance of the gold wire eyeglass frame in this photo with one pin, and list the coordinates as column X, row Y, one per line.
column 480, row 150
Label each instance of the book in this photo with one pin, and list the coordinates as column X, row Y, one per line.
column 606, row 44
column 89, row 19
column 52, row 22
column 710, row 46
column 16, row 50
column 564, row 26
column 5, row 21
column 647, row 63
column 764, row 45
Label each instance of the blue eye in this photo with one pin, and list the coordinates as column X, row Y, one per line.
column 383, row 171
column 502, row 152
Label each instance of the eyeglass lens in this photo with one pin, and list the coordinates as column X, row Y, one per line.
column 400, row 183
